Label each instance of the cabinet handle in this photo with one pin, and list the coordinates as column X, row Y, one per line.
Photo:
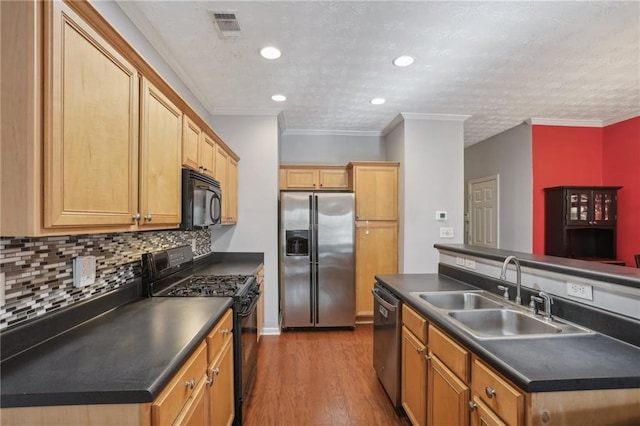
column 472, row 405
column 190, row 384
column 136, row 217
column 427, row 357
column 419, row 350
column 226, row 331
column 148, row 217
column 490, row 392
column 209, row 382
column 204, row 169
column 216, row 371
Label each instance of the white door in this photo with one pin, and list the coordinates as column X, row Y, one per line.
column 483, row 212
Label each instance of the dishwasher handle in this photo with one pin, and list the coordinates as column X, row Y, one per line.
column 389, row 306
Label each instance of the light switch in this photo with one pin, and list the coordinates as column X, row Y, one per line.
column 446, row 232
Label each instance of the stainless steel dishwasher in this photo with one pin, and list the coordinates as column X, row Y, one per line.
column 387, row 332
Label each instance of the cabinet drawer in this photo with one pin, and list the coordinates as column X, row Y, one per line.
column 217, row 338
column 168, row 405
column 415, row 323
column 505, row 400
column 455, row 357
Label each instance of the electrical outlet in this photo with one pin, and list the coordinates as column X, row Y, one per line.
column 582, row 291
column 194, row 246
column 84, row 271
column 2, row 289
column 446, row 232
column 471, row 264
column 460, row 261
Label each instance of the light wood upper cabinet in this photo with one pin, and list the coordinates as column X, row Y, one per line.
column 376, row 189
column 198, row 148
column 227, row 175
column 91, row 126
column 313, row 177
column 160, row 143
column 376, row 253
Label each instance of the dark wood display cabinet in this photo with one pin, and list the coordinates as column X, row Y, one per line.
column 580, row 222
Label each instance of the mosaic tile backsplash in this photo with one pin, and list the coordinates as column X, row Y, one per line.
column 38, row 272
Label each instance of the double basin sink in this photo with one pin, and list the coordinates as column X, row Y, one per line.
column 485, row 316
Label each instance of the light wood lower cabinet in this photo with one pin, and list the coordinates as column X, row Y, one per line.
column 260, row 306
column 448, row 402
column 413, row 377
column 481, row 415
column 220, row 399
column 376, row 253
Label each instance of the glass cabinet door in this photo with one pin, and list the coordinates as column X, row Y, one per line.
column 603, row 207
column 578, row 207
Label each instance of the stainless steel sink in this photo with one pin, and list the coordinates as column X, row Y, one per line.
column 459, row 300
column 508, row 323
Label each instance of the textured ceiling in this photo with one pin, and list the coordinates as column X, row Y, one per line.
column 500, row 62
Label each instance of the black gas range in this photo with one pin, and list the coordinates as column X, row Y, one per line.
column 171, row 273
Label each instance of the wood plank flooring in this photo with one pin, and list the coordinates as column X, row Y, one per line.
column 319, row 378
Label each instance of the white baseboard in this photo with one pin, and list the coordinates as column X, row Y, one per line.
column 270, row 331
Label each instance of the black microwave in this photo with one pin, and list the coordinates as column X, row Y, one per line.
column 201, row 201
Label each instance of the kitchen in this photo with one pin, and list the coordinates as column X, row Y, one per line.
column 255, row 139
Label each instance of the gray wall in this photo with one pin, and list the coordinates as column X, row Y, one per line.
column 431, row 152
column 330, row 149
column 255, row 140
column 509, row 155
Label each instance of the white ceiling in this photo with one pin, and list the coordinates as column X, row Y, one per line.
column 500, row 62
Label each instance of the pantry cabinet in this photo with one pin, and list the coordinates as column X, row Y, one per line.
column 91, row 97
column 375, row 185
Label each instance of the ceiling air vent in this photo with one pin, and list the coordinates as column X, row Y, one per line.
column 226, row 23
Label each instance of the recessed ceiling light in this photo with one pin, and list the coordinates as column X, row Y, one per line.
column 403, row 61
column 279, row 98
column 270, row 52
column 377, row 101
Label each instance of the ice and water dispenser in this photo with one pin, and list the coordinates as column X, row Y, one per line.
column 297, row 242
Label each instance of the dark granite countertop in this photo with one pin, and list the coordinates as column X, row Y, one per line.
column 578, row 362
column 122, row 354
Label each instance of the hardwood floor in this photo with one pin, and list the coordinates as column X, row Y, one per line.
column 319, row 378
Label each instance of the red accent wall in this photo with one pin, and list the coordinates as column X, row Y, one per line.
column 621, row 166
column 562, row 156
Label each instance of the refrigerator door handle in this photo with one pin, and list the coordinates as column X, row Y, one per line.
column 317, row 257
column 312, row 266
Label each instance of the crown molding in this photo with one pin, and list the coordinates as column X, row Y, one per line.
column 421, row 116
column 313, row 132
column 149, row 32
column 563, row 122
column 621, row 118
column 246, row 111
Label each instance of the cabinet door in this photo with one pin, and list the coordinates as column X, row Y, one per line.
column 232, row 191
column 604, row 207
column 578, row 207
column 414, row 378
column 260, row 307
column 161, row 136
column 222, row 163
column 483, row 416
column 190, row 144
column 376, row 189
column 376, row 253
column 207, row 155
column 91, row 126
column 333, row 179
column 221, row 404
column 194, row 412
column 448, row 396
column 301, row 178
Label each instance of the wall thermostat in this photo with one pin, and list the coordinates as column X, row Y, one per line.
column 441, row 215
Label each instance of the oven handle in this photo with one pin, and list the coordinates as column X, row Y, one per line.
column 247, row 312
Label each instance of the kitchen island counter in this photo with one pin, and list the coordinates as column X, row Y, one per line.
column 567, row 363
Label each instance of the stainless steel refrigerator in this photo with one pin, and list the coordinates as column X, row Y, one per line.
column 317, row 271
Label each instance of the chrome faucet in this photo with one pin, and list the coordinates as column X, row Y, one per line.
column 548, row 300
column 503, row 275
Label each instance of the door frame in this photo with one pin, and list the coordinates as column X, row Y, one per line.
column 470, row 183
